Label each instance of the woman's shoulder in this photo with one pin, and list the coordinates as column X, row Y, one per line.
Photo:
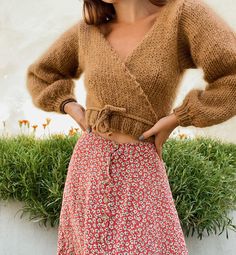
column 200, row 15
column 196, row 7
column 190, row 5
column 186, row 7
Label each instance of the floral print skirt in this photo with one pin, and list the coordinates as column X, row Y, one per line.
column 117, row 200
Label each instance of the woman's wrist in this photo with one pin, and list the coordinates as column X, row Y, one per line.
column 69, row 106
column 174, row 120
column 66, row 102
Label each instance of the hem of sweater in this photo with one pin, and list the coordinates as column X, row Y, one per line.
column 123, row 124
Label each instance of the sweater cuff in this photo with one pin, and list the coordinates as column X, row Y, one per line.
column 182, row 113
column 61, row 101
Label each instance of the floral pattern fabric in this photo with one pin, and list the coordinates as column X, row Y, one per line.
column 117, row 201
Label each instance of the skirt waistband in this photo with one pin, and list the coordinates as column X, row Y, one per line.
column 117, row 145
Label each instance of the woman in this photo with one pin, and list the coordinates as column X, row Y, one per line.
column 117, row 198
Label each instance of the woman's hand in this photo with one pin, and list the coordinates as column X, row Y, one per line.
column 162, row 130
column 77, row 112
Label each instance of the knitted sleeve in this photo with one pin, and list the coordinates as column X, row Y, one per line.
column 49, row 79
column 207, row 42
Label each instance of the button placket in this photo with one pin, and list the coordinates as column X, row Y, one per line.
column 107, row 182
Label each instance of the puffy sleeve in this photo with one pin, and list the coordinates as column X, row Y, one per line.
column 49, row 79
column 207, row 42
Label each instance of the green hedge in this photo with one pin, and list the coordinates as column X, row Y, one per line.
column 201, row 174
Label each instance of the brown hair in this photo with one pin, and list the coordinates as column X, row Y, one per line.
column 97, row 12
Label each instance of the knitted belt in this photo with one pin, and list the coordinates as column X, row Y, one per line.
column 102, row 123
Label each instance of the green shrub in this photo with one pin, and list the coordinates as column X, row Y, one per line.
column 201, row 175
column 202, row 179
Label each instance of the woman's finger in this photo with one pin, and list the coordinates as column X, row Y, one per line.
column 82, row 127
column 82, row 124
column 152, row 131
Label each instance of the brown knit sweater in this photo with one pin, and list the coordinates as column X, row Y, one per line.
column 131, row 95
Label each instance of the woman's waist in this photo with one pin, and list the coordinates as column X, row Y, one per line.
column 118, row 124
column 116, row 136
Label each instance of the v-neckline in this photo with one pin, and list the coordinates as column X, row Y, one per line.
column 125, row 60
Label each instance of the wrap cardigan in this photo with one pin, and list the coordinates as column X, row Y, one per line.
column 131, row 95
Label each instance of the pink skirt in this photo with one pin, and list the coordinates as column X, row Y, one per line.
column 117, row 200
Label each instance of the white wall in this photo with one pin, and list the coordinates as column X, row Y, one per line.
column 21, row 237
column 27, row 27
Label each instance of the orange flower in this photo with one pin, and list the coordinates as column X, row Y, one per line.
column 20, row 122
column 44, row 125
column 72, row 131
column 34, row 127
column 182, row 136
column 25, row 122
column 48, row 120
